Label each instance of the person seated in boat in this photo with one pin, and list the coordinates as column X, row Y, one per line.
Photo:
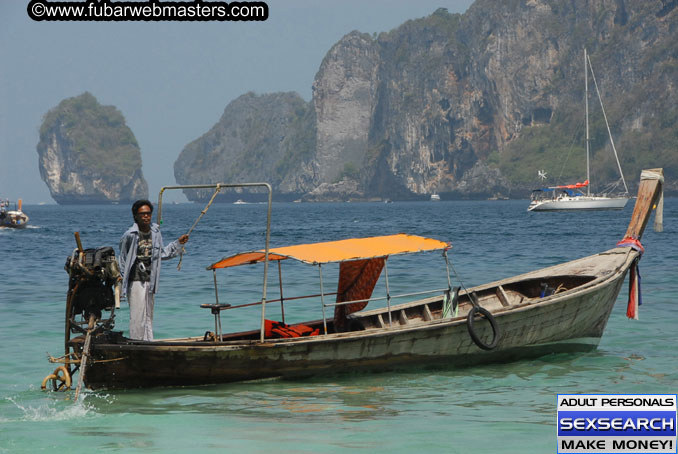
column 141, row 252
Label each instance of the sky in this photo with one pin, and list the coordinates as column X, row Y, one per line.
column 171, row 80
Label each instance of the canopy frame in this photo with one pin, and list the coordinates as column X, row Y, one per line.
column 218, row 187
column 323, row 294
column 267, row 257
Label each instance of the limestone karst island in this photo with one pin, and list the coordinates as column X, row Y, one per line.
column 466, row 105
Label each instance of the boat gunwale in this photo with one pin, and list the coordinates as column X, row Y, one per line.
column 198, row 343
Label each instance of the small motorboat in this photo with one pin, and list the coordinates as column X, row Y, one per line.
column 13, row 218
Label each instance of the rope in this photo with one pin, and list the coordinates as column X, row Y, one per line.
column 634, row 243
column 460, row 281
column 659, row 215
column 202, row 213
column 635, row 297
column 595, row 83
column 64, row 359
column 560, row 288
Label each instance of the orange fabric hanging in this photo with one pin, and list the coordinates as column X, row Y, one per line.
column 356, row 282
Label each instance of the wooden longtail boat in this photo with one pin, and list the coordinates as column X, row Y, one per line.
column 15, row 218
column 560, row 308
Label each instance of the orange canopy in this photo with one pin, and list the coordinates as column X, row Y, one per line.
column 339, row 251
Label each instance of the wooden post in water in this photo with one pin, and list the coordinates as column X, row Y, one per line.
column 85, row 356
column 649, row 192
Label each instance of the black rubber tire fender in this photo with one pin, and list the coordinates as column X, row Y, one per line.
column 493, row 323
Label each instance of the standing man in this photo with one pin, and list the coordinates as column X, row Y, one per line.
column 141, row 251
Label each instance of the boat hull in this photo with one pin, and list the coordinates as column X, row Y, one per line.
column 572, row 321
column 580, row 203
column 13, row 219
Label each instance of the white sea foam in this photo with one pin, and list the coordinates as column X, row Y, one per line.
column 53, row 410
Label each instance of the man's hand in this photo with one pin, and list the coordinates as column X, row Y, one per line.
column 183, row 239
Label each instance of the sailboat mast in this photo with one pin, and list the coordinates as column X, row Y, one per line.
column 586, row 99
column 607, row 125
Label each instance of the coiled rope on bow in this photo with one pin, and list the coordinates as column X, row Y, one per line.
column 202, row 213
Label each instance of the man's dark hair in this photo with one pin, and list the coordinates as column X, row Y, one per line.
column 138, row 204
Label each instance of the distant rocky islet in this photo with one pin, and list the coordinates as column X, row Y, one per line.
column 87, row 154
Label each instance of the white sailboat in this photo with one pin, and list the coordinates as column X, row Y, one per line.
column 572, row 197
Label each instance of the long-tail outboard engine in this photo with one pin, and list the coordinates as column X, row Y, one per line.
column 93, row 285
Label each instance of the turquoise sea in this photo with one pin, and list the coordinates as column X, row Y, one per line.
column 508, row 408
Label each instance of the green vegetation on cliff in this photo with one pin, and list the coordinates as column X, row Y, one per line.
column 299, row 144
column 258, row 138
column 97, row 138
column 470, row 105
column 643, row 125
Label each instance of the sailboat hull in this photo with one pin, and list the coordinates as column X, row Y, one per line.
column 569, row 199
column 579, row 203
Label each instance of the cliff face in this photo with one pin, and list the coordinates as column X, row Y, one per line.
column 530, row 60
column 258, row 138
column 88, row 155
column 344, row 98
column 473, row 105
column 433, row 127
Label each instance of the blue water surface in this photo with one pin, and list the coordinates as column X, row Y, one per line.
column 509, row 408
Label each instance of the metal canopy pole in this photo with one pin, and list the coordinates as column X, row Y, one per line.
column 282, row 304
column 586, row 98
column 216, row 293
column 388, row 292
column 268, row 228
column 447, row 297
column 268, row 239
column 322, row 296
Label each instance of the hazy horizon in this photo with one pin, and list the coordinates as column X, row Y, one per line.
column 171, row 80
